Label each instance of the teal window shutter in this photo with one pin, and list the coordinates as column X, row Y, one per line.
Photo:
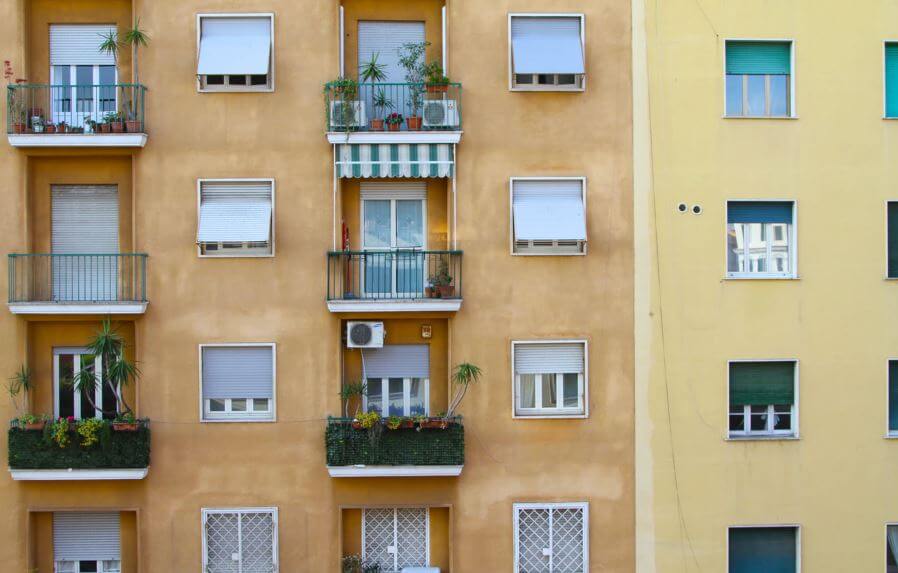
column 759, row 58
column 767, row 549
column 891, row 80
column 893, row 395
column 893, row 239
column 762, row 383
column 759, row 212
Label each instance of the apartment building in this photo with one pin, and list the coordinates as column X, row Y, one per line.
column 766, row 244
column 239, row 210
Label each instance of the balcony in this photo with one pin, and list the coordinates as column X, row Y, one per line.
column 34, row 454
column 407, row 451
column 78, row 284
column 395, row 280
column 393, row 113
column 41, row 115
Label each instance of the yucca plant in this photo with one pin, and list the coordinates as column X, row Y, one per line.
column 19, row 384
column 136, row 37
column 117, row 371
column 463, row 376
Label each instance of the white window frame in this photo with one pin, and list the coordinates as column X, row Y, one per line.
column 101, row 567
column 889, row 432
column 794, row 526
column 769, row 433
column 551, row 413
column 201, row 85
column 582, row 505
column 395, row 527
column 207, row 511
column 394, row 230
column 886, row 539
column 406, row 395
column 246, row 251
column 885, row 103
column 77, row 352
column 248, row 416
column 886, row 235
column 793, row 251
column 793, row 110
column 554, row 250
column 579, row 84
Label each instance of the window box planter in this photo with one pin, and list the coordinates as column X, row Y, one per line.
column 347, row 446
column 30, row 450
column 125, row 427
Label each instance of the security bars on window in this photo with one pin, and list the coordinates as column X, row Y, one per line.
column 395, row 538
column 240, row 540
column 551, row 538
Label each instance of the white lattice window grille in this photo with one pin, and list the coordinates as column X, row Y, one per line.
column 240, row 540
column 396, row 537
column 551, row 537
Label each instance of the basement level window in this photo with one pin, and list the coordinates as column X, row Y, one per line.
column 235, row 52
column 547, row 52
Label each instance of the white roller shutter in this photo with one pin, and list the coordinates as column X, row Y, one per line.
column 78, row 44
column 393, row 190
column 398, row 361
column 234, row 46
column 545, row 358
column 385, row 39
column 549, row 210
column 546, row 45
column 85, row 219
column 238, row 372
column 86, row 536
column 235, row 212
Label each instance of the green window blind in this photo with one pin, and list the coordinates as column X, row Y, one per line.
column 763, row 549
column 893, row 239
column 891, row 80
column 762, row 383
column 758, row 58
column 893, row 396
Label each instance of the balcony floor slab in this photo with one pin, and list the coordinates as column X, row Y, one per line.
column 417, row 305
column 77, row 140
column 51, row 308
column 387, row 137
column 393, row 471
column 79, row 475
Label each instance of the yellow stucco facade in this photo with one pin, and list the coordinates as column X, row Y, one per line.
column 280, row 135
column 833, row 479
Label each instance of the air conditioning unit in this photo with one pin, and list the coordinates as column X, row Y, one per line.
column 440, row 113
column 364, row 334
column 348, row 114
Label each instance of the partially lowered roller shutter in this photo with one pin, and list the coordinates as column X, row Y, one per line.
column 86, row 536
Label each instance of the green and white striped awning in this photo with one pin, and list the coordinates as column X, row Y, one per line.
column 395, row 160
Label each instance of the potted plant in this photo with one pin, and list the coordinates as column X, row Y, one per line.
column 125, row 423
column 436, row 81
column 19, row 384
column 103, row 127
column 394, row 121
column 380, row 103
column 394, row 422
column 352, row 391
column 115, row 121
column 463, row 376
column 371, row 72
column 32, row 422
column 442, row 280
column 50, row 128
column 117, row 371
column 366, row 420
column 62, row 127
column 134, row 37
column 411, row 57
column 16, row 112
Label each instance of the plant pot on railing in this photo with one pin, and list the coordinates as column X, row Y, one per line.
column 414, row 123
column 103, row 127
column 35, row 426
column 18, row 127
column 437, row 88
column 377, row 125
column 117, row 126
column 50, row 128
column 434, row 424
column 125, row 426
column 446, row 291
column 134, row 126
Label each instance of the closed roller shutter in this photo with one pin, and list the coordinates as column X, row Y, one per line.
column 238, row 372
column 385, row 39
column 543, row 358
column 86, row 536
column 398, row 361
column 235, row 212
column 547, row 210
column 78, row 44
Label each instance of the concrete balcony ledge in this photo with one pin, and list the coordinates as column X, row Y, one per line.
column 65, row 308
column 412, row 305
column 77, row 139
column 394, row 471
column 391, row 137
column 78, row 475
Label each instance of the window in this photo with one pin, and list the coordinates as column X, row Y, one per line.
column 235, row 52
column 549, row 378
column 70, row 365
column 240, row 540
column 893, row 398
column 892, row 548
column 87, row 542
column 83, row 79
column 238, row 382
column 892, row 239
column 546, row 52
column 397, row 379
column 758, row 79
column 762, row 399
column 551, row 537
column 891, row 79
column 235, row 218
column 753, row 549
column 760, row 239
column 548, row 216
column 393, row 234
column 396, row 538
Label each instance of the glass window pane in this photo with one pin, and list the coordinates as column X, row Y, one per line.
column 757, row 96
column 546, row 79
column 409, row 223
column 566, row 79
column 84, row 79
column 258, row 80
column 523, row 78
column 571, row 390
column 779, row 95
column 375, row 395
column 216, row 405
column 215, row 80
column 737, row 418
column 734, row 94
column 780, row 248
column 736, row 262
column 107, row 91
column 237, row 80
column 88, row 363
column 238, row 405
column 112, row 566
column 782, row 421
column 550, row 391
column 66, row 392
column 757, row 246
column 87, row 567
column 528, row 390
column 417, row 407
column 397, row 398
column 260, row 404
column 65, row 566
column 62, row 95
column 758, row 418
column 376, row 232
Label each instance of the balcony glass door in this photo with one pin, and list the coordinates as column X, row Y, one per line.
column 67, row 364
column 82, row 92
column 393, row 238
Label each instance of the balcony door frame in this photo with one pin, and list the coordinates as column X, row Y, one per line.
column 393, row 247
column 74, row 117
column 76, row 353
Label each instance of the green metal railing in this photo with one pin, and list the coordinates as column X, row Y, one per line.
column 399, row 274
column 36, row 450
column 78, row 278
column 348, row 446
column 52, row 109
column 370, row 107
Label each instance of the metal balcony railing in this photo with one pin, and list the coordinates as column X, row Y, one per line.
column 78, row 278
column 51, row 109
column 393, row 107
column 395, row 274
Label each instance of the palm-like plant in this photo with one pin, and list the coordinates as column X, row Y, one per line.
column 136, row 37
column 116, row 373
column 19, row 384
column 109, row 45
column 463, row 376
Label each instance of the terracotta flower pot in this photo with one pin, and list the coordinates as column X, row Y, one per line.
column 18, row 127
column 437, row 88
column 117, row 126
column 428, row 292
column 35, row 425
column 125, row 427
column 394, row 126
column 49, row 128
column 356, row 425
column 435, row 424
column 414, row 123
column 134, row 126
column 103, row 127
column 377, row 125
column 446, row 291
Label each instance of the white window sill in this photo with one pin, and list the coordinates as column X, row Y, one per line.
column 236, row 256
column 891, row 436
column 761, row 277
column 774, row 117
column 762, row 438
column 549, row 416
column 260, row 89
column 548, row 89
column 888, row 278
column 241, row 419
